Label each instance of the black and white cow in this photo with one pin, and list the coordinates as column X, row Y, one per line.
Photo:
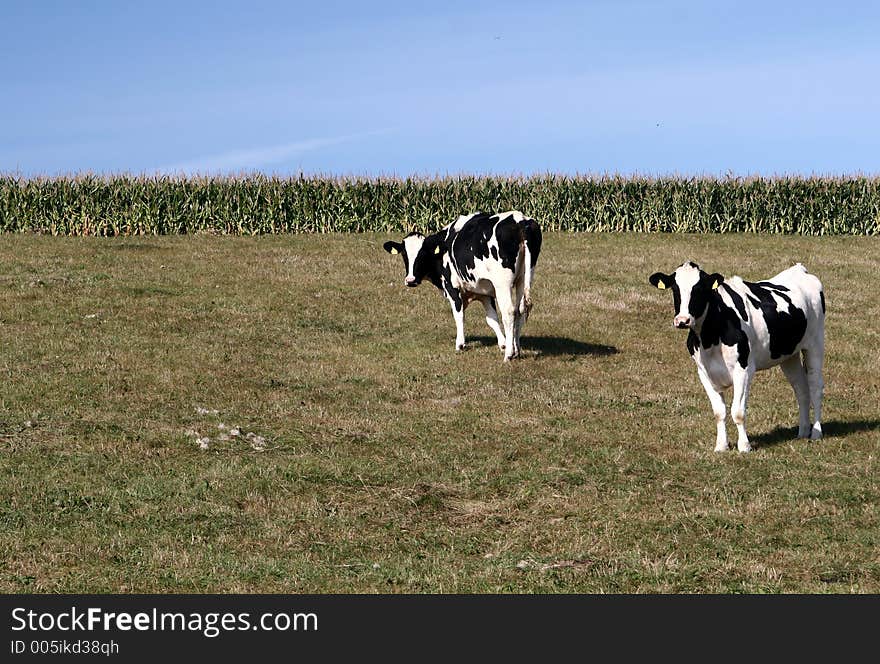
column 485, row 257
column 739, row 327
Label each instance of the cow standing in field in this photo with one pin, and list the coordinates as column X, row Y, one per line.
column 485, row 257
column 738, row 327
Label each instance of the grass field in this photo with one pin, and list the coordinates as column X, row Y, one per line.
column 379, row 460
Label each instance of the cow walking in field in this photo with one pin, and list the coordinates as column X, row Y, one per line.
column 739, row 327
column 485, row 257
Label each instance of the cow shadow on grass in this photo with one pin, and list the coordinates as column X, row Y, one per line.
column 830, row 428
column 553, row 345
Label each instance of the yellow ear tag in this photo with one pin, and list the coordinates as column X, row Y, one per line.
column 661, row 285
column 437, row 250
column 715, row 285
column 394, row 251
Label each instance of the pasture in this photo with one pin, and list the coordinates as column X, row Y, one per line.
column 280, row 414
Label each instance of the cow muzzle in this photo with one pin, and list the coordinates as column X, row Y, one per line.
column 683, row 322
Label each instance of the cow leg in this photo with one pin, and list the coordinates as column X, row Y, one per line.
column 813, row 360
column 797, row 376
column 504, row 302
column 742, row 379
column 523, row 306
column 457, row 305
column 718, row 409
column 492, row 319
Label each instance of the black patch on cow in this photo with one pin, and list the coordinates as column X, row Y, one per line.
column 786, row 328
column 693, row 342
column 742, row 348
column 453, row 293
column 737, row 302
column 722, row 325
column 509, row 236
column 676, row 297
column 472, row 240
column 772, row 286
column 699, row 299
column 531, row 233
column 701, row 293
column 822, row 297
column 469, row 243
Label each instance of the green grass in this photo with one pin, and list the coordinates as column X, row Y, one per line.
column 389, row 462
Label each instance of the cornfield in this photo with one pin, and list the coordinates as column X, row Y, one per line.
column 258, row 204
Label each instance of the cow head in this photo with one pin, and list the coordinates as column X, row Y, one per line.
column 691, row 289
column 420, row 255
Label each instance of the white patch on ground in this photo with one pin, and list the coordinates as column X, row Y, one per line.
column 558, row 564
column 225, row 434
column 258, row 443
column 202, row 441
column 206, row 411
column 91, row 315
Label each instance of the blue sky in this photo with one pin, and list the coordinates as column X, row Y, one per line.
column 397, row 88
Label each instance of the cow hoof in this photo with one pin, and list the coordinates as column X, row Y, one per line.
column 744, row 448
column 720, row 448
column 458, row 349
column 816, row 435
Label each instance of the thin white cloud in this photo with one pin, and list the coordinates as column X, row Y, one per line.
column 238, row 160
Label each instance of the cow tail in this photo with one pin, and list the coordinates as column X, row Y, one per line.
column 531, row 242
column 527, row 278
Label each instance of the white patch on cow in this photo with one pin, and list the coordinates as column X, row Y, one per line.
column 516, row 214
column 462, row 220
column 686, row 276
column 413, row 244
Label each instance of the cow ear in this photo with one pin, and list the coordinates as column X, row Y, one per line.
column 716, row 280
column 392, row 247
column 660, row 280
